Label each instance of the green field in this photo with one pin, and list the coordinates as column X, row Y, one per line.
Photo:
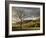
column 26, row 25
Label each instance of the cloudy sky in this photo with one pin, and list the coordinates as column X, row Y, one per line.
column 28, row 12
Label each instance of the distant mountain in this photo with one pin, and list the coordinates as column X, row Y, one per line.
column 32, row 18
column 26, row 19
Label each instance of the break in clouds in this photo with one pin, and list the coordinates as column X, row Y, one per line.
column 28, row 12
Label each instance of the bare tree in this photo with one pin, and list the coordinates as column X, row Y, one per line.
column 20, row 14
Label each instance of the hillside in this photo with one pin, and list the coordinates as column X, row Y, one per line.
column 26, row 25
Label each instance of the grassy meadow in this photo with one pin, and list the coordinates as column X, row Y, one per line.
column 26, row 25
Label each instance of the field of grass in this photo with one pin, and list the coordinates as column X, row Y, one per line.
column 26, row 25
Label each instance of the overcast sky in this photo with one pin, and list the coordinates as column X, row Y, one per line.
column 29, row 12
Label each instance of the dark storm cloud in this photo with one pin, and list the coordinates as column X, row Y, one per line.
column 29, row 12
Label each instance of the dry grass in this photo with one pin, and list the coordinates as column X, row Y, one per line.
column 31, row 25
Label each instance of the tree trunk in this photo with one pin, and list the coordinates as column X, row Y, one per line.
column 21, row 25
